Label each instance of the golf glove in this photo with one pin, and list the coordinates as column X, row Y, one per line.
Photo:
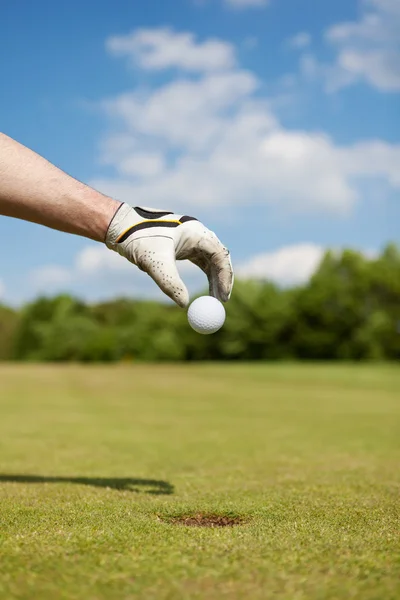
column 153, row 240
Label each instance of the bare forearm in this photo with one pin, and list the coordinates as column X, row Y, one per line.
column 34, row 190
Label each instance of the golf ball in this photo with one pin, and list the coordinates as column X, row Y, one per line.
column 206, row 315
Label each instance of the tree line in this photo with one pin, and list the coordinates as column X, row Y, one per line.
column 348, row 310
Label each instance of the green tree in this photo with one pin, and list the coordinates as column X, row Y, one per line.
column 52, row 329
column 344, row 311
column 350, row 309
column 8, row 328
column 256, row 327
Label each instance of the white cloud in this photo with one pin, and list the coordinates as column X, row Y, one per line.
column 286, row 266
column 98, row 272
column 296, row 170
column 49, row 276
column 142, row 164
column 310, row 68
column 163, row 48
column 379, row 68
column 368, row 50
column 289, row 265
column 2, row 289
column 91, row 261
column 99, row 259
column 246, row 3
column 183, row 113
column 377, row 158
column 115, row 147
column 333, row 76
column 212, row 142
column 299, row 41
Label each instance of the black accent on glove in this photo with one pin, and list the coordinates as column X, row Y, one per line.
column 185, row 219
column 153, row 223
column 146, row 225
column 148, row 214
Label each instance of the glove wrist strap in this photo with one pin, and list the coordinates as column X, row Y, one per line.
column 116, row 225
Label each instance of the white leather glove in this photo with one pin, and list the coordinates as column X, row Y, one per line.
column 154, row 239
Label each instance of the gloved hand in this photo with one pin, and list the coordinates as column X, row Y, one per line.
column 154, row 239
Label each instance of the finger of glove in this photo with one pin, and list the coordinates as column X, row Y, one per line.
column 156, row 256
column 204, row 264
column 202, row 247
column 219, row 268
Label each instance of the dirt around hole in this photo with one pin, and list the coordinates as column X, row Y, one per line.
column 205, row 520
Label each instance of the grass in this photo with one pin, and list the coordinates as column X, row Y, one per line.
column 98, row 464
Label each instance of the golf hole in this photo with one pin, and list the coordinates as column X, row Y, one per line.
column 205, row 520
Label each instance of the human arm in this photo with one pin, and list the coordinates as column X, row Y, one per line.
column 34, row 190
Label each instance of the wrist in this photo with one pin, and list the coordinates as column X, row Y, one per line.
column 101, row 211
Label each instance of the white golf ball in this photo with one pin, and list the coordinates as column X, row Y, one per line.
column 206, row 315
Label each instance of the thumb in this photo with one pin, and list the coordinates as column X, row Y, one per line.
column 156, row 256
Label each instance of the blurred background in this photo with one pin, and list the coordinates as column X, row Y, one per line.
column 275, row 122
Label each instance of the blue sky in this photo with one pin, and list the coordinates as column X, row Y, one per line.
column 276, row 122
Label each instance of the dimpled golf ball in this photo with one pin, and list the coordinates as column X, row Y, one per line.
column 206, row 315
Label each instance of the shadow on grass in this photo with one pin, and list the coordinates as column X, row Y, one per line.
column 146, row 486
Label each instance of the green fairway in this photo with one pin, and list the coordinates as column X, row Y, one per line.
column 97, row 465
